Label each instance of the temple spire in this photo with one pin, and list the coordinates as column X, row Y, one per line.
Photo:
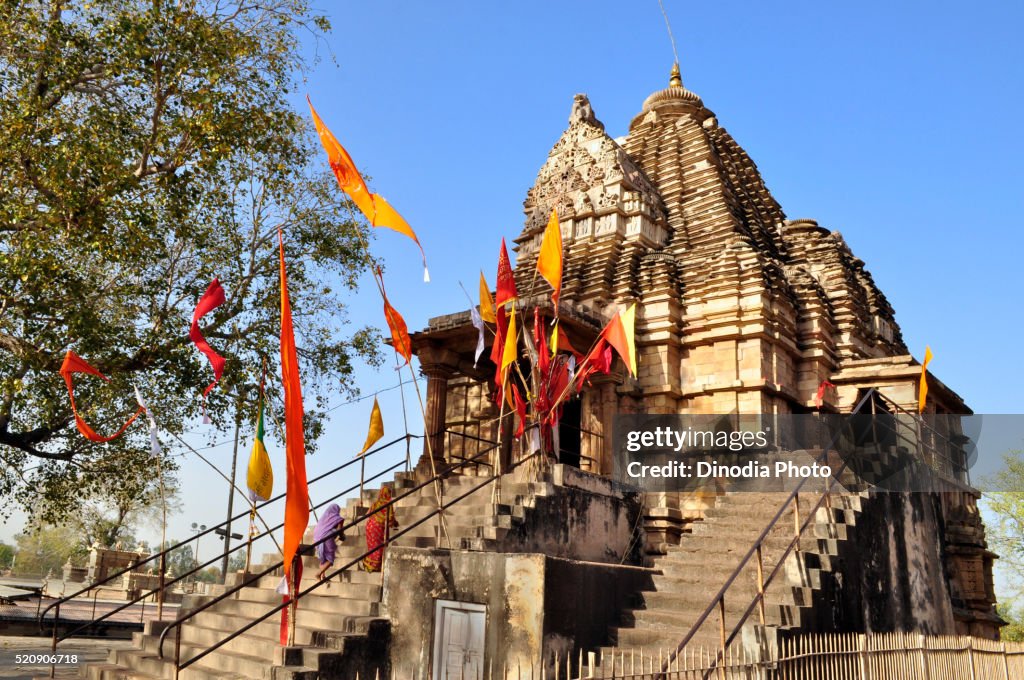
column 675, row 79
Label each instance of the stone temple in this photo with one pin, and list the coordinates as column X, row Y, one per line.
column 740, row 310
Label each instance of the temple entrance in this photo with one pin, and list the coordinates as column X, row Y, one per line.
column 569, row 439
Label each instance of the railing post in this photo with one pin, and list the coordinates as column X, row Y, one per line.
column 53, row 644
column 862, row 656
column 721, row 634
column 1006, row 664
column 177, row 651
column 796, row 519
column 970, row 656
column 760, row 584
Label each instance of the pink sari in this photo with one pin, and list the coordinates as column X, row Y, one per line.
column 377, row 526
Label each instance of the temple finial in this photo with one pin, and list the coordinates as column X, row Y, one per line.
column 675, row 79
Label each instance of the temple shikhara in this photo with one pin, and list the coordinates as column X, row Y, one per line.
column 549, row 563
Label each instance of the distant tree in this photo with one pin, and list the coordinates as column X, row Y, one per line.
column 1006, row 501
column 6, row 555
column 236, row 562
column 45, row 549
column 145, row 148
column 116, row 519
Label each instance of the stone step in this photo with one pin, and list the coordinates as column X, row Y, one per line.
column 340, row 606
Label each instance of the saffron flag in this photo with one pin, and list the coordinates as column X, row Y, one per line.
column 560, row 341
column 378, row 211
column 399, row 331
column 506, row 279
column 296, row 508
column 260, row 475
column 486, row 301
column 508, row 354
column 76, row 364
column 549, row 260
column 212, row 298
column 478, row 323
column 620, row 334
column 376, row 430
column 923, row 389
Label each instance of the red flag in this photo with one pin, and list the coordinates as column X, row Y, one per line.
column 821, row 392
column 75, row 364
column 520, row 410
column 291, row 587
column 506, row 279
column 212, row 298
column 296, row 509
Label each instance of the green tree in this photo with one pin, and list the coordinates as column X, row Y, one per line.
column 1006, row 534
column 45, row 549
column 145, row 148
column 6, row 555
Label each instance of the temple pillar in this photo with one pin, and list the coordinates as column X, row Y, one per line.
column 437, row 375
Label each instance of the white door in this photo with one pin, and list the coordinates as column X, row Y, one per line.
column 459, row 640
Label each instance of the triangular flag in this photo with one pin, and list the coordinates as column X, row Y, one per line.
column 260, row 475
column 923, row 389
column 399, row 330
column 76, row 364
column 549, row 260
column 377, row 210
column 510, row 351
column 506, row 279
column 478, row 323
column 486, row 301
column 296, row 508
column 376, row 429
column 621, row 335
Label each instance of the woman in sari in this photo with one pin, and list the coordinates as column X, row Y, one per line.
column 327, row 530
column 378, row 524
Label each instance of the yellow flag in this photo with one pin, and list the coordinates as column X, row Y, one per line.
column 376, row 431
column 554, row 339
column 508, row 355
column 923, row 389
column 260, row 475
column 549, row 260
column 486, row 302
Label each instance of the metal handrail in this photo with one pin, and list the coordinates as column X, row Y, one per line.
column 918, row 443
column 162, row 554
column 719, row 599
column 177, row 623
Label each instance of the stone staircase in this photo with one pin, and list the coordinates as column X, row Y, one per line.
column 340, row 628
column 693, row 572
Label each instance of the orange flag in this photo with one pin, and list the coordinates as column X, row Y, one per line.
column 486, row 301
column 922, row 393
column 377, row 210
column 399, row 331
column 549, row 260
column 621, row 335
column 76, row 364
column 506, row 279
column 296, row 508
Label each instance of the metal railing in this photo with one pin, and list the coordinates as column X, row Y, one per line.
column 756, row 552
column 763, row 581
column 178, row 623
column 164, row 584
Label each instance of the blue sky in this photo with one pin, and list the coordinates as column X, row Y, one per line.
column 897, row 124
